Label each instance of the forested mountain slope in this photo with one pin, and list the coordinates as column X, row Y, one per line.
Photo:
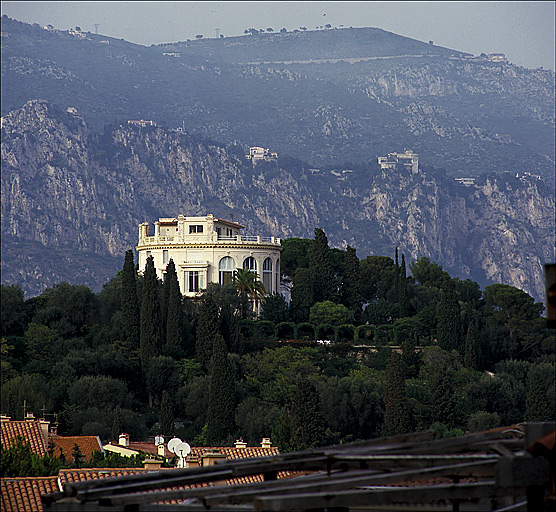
column 321, row 96
column 72, row 199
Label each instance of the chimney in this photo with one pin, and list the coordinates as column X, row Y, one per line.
column 161, row 450
column 266, row 443
column 152, row 464
column 213, row 457
column 44, row 427
column 192, row 462
column 29, row 417
column 4, row 418
column 240, row 444
column 124, row 440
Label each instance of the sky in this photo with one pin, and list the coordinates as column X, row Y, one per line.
column 524, row 31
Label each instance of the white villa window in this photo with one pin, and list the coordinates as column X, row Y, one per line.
column 250, row 264
column 277, row 274
column 226, row 269
column 195, row 281
column 165, row 256
column 267, row 275
column 196, row 228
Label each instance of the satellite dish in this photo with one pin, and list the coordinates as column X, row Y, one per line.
column 158, row 440
column 182, row 449
column 173, row 443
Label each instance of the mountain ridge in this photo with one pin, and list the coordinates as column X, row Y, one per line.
column 76, row 197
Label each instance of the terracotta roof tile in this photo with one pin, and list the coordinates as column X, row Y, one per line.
column 87, row 444
column 68, row 476
column 233, row 453
column 30, row 431
column 24, row 494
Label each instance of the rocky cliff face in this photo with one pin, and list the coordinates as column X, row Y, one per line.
column 72, row 199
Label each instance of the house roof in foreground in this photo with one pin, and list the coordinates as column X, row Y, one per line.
column 30, row 431
column 24, row 494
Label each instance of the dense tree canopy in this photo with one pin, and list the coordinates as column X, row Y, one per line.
column 427, row 351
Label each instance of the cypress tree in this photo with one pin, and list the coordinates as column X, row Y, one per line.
column 472, row 354
column 207, row 328
column 322, row 276
column 301, row 295
column 117, row 423
column 166, row 415
column 351, row 283
column 448, row 326
column 396, row 414
column 538, row 407
column 307, row 419
column 130, row 302
column 442, row 391
column 403, row 305
column 174, row 318
column 150, row 339
column 221, row 407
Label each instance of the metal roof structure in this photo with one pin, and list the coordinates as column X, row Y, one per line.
column 506, row 469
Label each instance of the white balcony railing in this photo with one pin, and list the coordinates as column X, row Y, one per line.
column 155, row 240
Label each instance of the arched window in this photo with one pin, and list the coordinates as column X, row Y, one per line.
column 277, row 276
column 226, row 269
column 250, row 264
column 267, row 275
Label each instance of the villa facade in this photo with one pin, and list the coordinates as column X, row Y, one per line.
column 208, row 250
column 408, row 159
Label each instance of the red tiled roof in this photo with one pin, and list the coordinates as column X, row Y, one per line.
column 69, row 476
column 147, row 447
column 87, row 444
column 24, row 494
column 30, row 431
column 233, row 453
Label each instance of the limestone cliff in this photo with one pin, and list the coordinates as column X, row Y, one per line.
column 72, row 199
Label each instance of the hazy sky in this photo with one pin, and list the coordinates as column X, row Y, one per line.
column 524, row 31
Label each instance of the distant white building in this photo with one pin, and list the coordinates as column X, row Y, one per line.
column 497, row 57
column 408, row 159
column 208, row 250
column 142, row 122
column 257, row 154
column 468, row 182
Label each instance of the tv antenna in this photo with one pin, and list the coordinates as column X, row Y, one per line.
column 217, row 30
column 158, row 440
column 96, row 29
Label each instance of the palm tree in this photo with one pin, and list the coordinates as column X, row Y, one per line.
column 248, row 282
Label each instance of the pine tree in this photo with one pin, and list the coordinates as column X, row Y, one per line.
column 448, row 327
column 207, row 328
column 166, row 415
column 221, row 407
column 322, row 276
column 403, row 304
column 150, row 339
column 130, row 302
column 351, row 283
column 396, row 414
column 174, row 318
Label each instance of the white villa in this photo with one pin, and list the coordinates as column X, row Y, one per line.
column 208, row 250
column 408, row 159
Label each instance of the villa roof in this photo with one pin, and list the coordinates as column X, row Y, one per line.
column 30, row 431
column 20, row 494
column 233, row 453
column 65, row 444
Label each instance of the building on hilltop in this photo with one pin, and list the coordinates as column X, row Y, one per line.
column 258, row 154
column 142, row 122
column 408, row 159
column 208, row 250
column 497, row 57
